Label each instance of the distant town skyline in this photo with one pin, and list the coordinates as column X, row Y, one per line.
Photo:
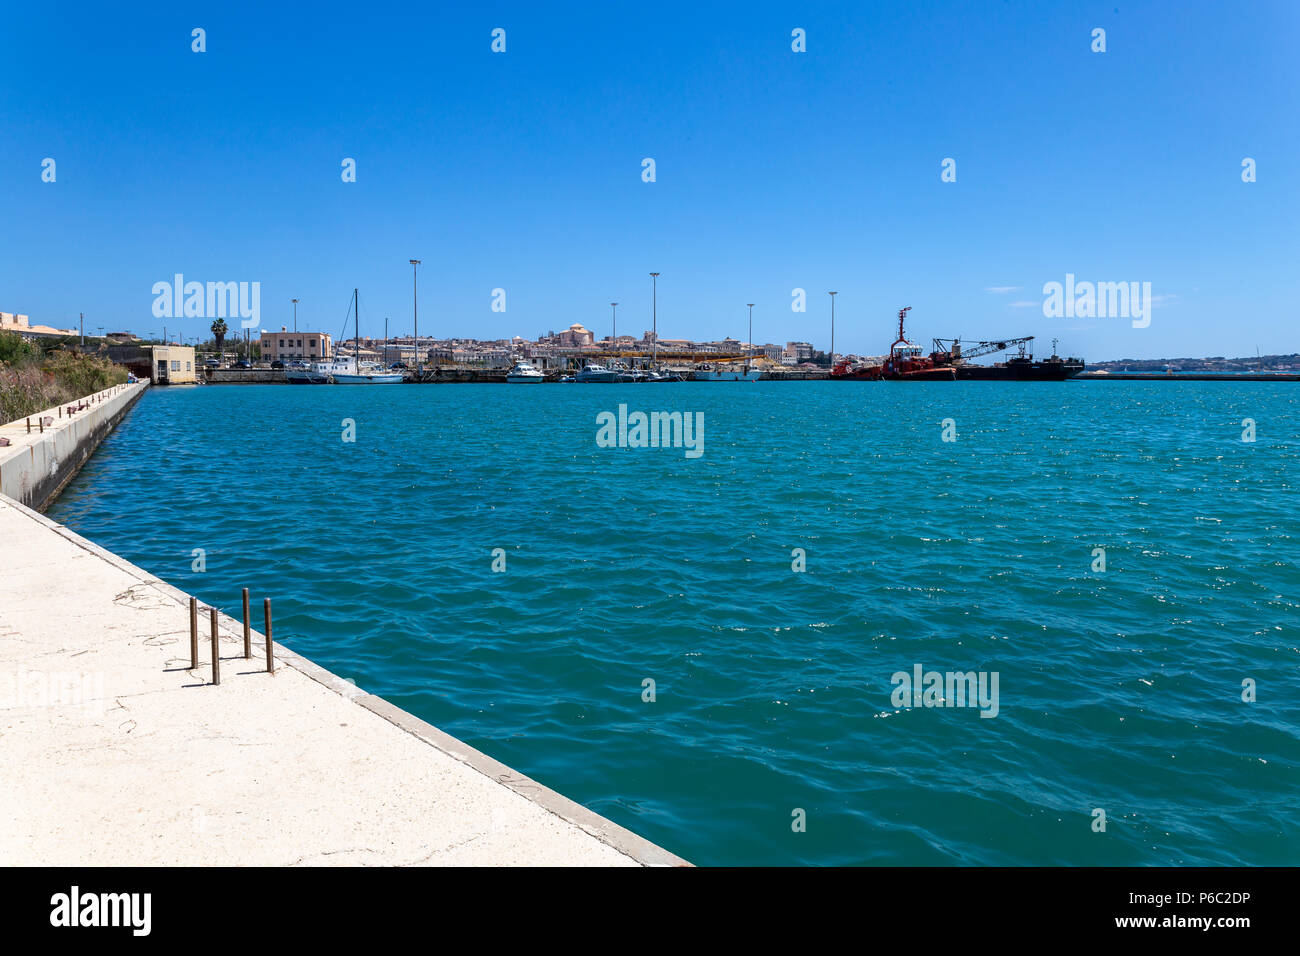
column 958, row 170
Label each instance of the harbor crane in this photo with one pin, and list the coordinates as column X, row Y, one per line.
column 953, row 347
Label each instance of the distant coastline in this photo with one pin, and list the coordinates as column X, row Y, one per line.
column 1250, row 363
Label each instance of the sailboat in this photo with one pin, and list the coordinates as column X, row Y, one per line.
column 369, row 374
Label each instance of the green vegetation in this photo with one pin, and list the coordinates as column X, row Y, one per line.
column 32, row 379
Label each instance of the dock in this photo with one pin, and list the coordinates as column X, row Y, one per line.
column 117, row 752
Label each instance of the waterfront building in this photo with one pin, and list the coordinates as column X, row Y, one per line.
column 287, row 346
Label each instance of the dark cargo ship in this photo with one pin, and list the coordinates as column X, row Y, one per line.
column 949, row 361
column 1019, row 368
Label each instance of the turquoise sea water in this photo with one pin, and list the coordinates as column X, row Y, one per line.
column 1119, row 690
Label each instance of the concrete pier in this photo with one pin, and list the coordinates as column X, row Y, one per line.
column 46, row 450
column 113, row 751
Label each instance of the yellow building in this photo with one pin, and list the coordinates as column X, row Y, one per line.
column 172, row 364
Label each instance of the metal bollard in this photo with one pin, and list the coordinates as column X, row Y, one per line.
column 248, row 641
column 194, row 633
column 270, row 660
column 216, row 651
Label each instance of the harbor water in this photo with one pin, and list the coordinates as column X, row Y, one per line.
column 704, row 648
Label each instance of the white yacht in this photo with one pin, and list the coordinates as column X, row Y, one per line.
column 525, row 373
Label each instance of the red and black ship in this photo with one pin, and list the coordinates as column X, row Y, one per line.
column 949, row 361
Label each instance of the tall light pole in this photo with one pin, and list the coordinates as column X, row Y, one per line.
column 749, row 343
column 654, row 320
column 83, row 328
column 614, row 306
column 295, row 315
column 832, row 295
column 415, row 292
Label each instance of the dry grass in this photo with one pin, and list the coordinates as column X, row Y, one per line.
column 32, row 380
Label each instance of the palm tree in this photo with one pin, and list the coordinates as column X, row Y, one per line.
column 219, row 332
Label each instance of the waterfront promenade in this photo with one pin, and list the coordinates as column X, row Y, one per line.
column 114, row 752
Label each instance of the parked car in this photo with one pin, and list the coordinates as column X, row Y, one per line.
column 211, row 363
column 277, row 364
column 241, row 364
column 399, row 366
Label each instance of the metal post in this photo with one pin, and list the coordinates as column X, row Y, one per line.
column 654, row 320
column 216, row 650
column 194, row 633
column 749, row 345
column 270, row 660
column 415, row 293
column 248, row 645
column 832, row 295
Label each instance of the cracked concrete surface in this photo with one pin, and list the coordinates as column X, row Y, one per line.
column 113, row 752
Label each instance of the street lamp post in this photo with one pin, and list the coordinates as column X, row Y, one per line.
column 832, row 295
column 749, row 343
column 614, row 307
column 654, row 320
column 295, row 315
column 415, row 292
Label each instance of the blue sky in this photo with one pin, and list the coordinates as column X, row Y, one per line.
column 775, row 169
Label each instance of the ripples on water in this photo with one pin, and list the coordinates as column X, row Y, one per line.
column 1119, row 690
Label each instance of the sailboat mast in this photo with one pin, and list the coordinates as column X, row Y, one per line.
column 356, row 334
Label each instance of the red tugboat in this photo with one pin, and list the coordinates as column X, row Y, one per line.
column 907, row 364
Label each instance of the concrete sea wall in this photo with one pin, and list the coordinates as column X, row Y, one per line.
column 244, row 376
column 41, row 459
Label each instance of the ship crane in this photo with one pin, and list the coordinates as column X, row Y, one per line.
column 953, row 347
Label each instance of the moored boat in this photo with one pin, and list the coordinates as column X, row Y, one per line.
column 354, row 373
column 525, row 373
column 594, row 372
column 906, row 363
column 300, row 373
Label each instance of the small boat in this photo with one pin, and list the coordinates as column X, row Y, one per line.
column 525, row 373
column 303, row 374
column 717, row 373
column 622, row 373
column 592, row 372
